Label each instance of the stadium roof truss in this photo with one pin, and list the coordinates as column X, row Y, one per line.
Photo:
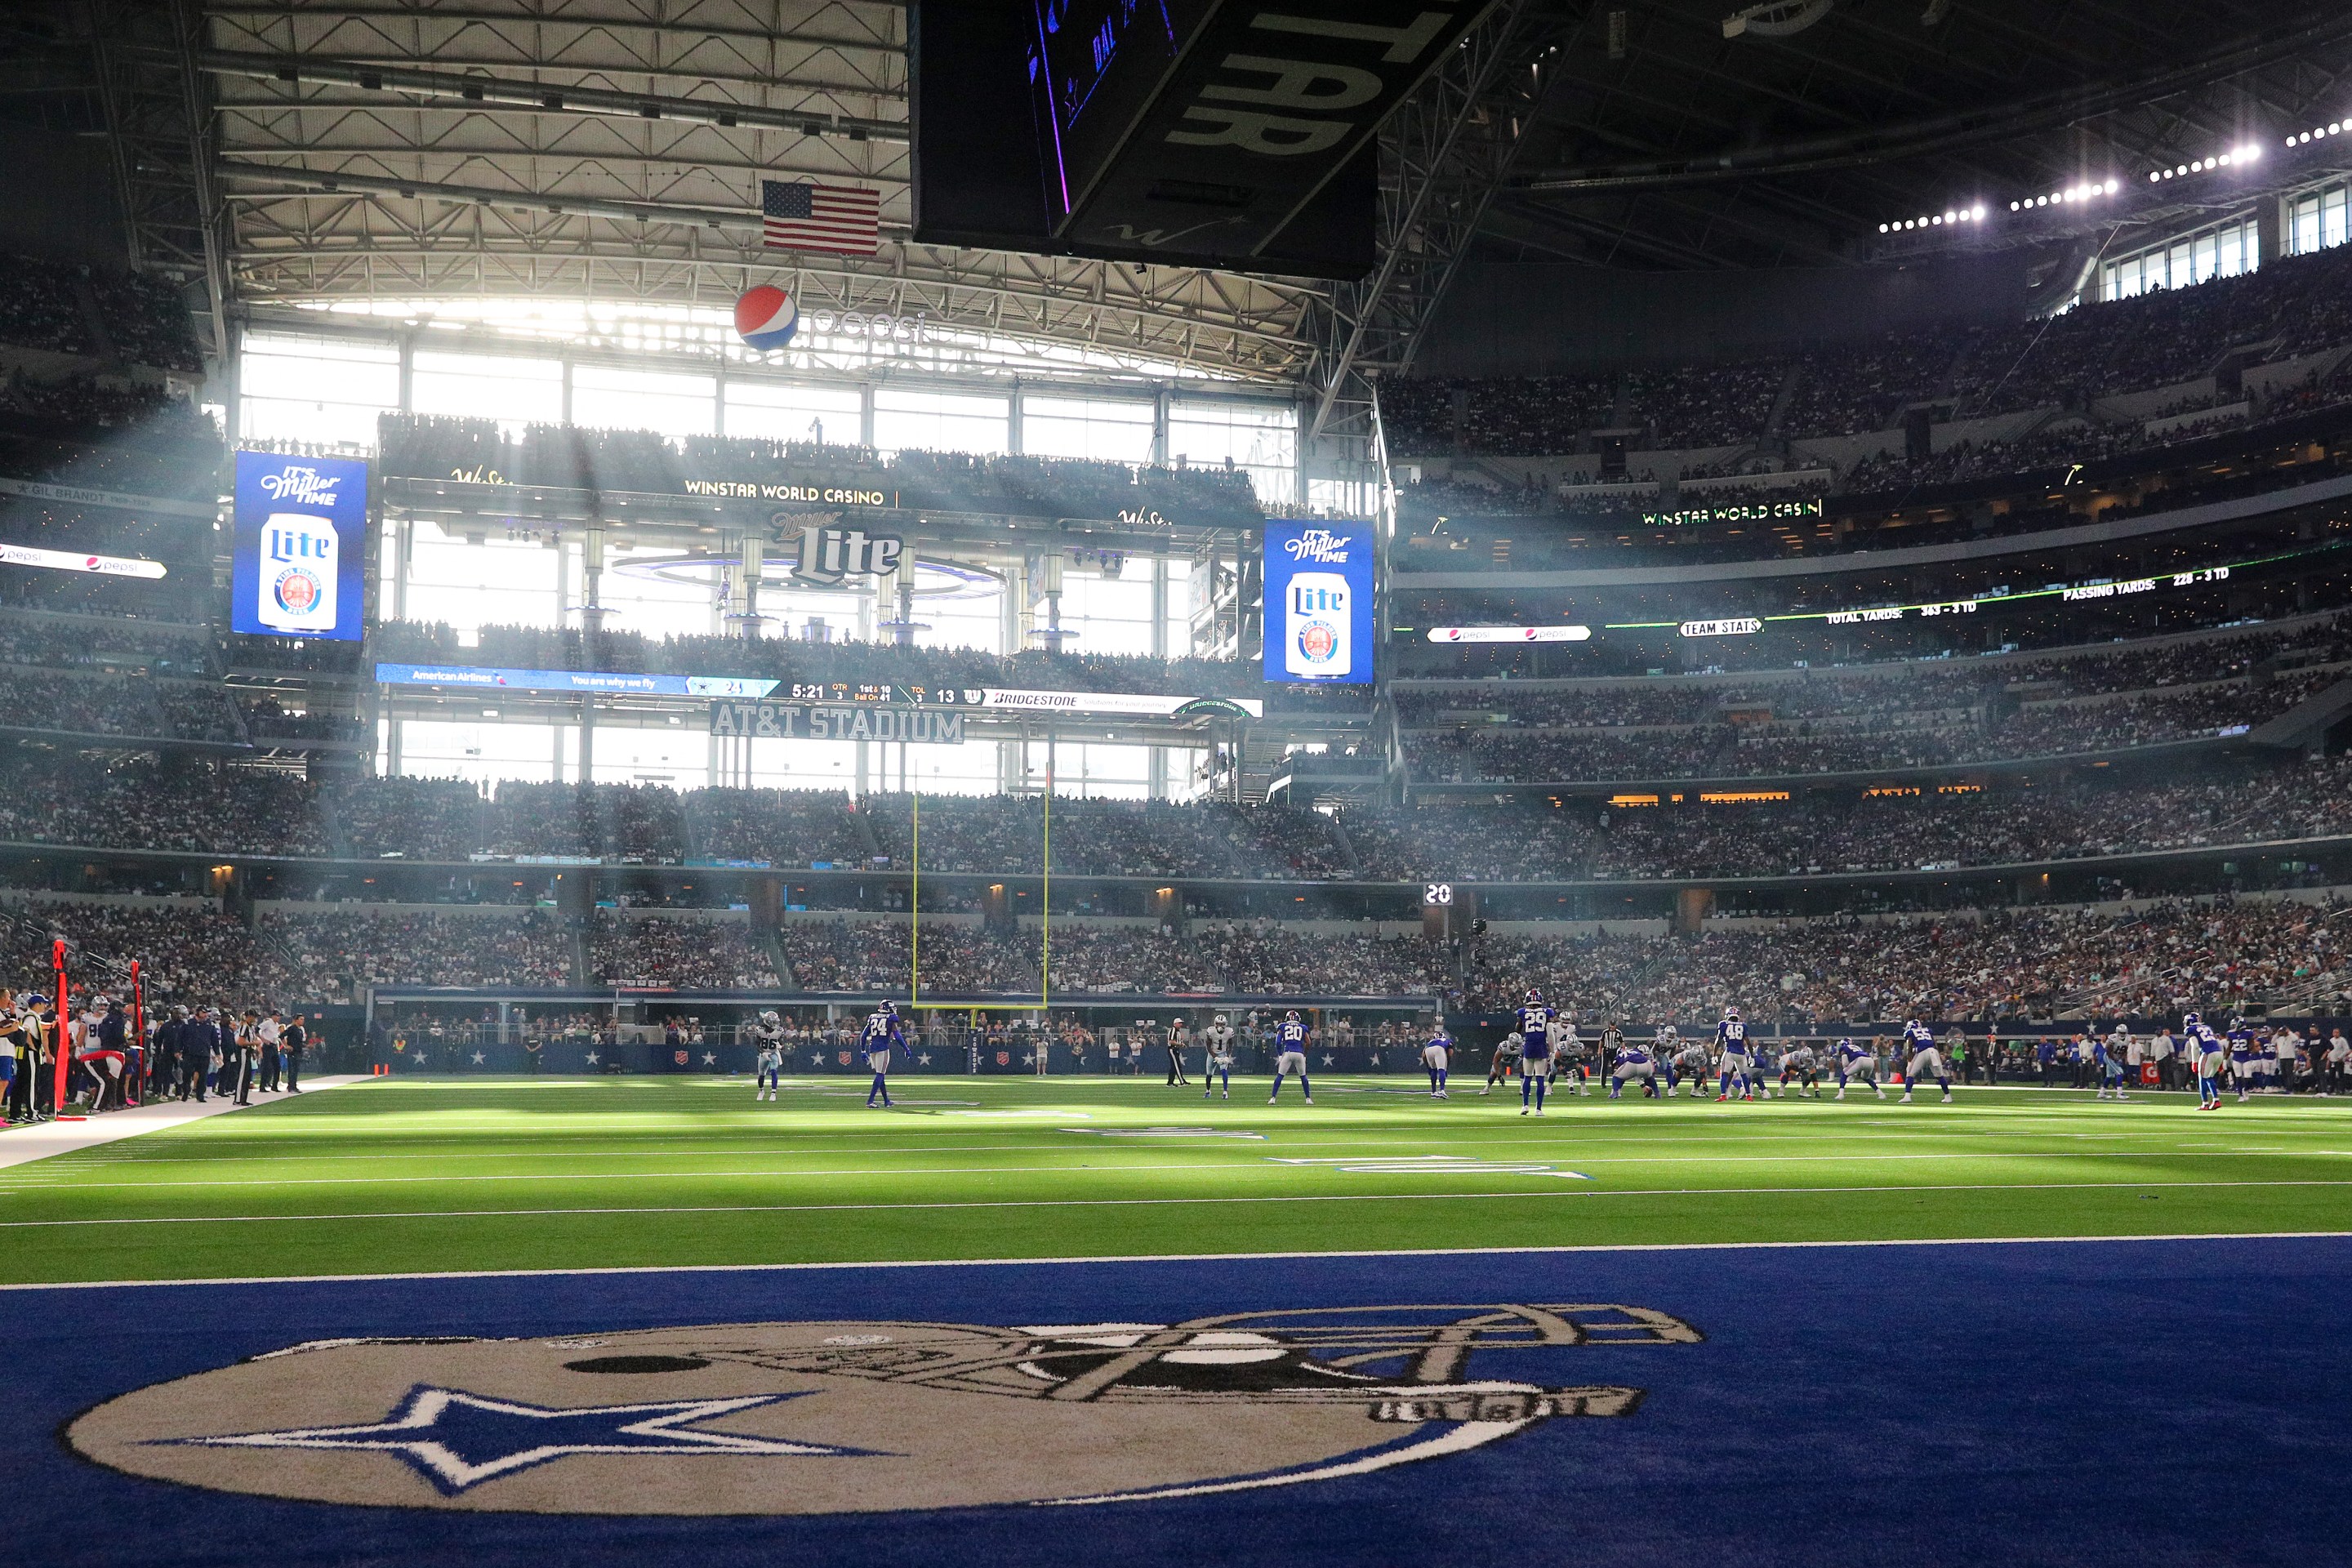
column 612, row 149
column 299, row 152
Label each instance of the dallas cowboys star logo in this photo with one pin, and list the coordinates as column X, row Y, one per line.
column 479, row 1058
column 458, row 1440
column 923, row 1061
column 591, row 1059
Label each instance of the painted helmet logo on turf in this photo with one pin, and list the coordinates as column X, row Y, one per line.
column 820, row 1417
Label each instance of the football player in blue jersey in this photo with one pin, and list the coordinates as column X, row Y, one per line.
column 2203, row 1049
column 1731, row 1040
column 1634, row 1060
column 1857, row 1062
column 1535, row 1051
column 881, row 1032
column 2242, row 1046
column 1434, row 1057
column 1925, row 1060
column 1290, row 1055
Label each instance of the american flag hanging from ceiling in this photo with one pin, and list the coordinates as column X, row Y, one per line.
column 845, row 220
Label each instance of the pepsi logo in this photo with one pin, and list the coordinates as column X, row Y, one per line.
column 766, row 317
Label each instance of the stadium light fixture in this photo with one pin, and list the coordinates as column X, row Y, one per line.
column 2070, row 195
column 1953, row 215
column 2249, row 152
column 2317, row 134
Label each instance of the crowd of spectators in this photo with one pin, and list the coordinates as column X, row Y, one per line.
column 144, row 318
column 1931, row 827
column 2148, row 962
column 329, row 954
column 197, row 808
column 685, row 954
column 1933, row 712
column 2136, row 959
column 2292, row 308
column 1695, row 405
column 1109, row 837
column 780, row 826
column 187, row 948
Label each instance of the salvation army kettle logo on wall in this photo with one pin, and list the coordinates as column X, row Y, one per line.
column 850, row 1417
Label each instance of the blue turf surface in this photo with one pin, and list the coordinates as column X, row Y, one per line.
column 2143, row 1403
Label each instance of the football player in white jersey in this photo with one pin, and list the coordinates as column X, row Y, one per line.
column 1731, row 1041
column 2110, row 1057
column 1507, row 1053
column 768, row 1033
column 1290, row 1056
column 1217, row 1058
column 1434, row 1056
column 1570, row 1054
column 1857, row 1062
column 1693, row 1060
column 1925, row 1060
column 1802, row 1066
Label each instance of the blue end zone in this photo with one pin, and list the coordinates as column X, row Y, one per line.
column 2139, row 1404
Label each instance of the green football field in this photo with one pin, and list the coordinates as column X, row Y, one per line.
column 402, row 1175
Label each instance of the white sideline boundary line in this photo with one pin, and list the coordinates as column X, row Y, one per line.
column 41, row 1141
column 1615, row 1247
column 1591, row 1194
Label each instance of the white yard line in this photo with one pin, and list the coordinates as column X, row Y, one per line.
column 38, row 1141
column 1239, row 1162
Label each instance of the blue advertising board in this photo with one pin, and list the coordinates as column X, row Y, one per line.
column 588, row 681
column 1318, row 602
column 300, row 565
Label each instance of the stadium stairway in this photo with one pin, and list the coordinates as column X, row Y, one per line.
column 771, row 944
column 864, row 825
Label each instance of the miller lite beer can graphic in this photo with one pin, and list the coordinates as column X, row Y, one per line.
column 295, row 589
column 1318, row 630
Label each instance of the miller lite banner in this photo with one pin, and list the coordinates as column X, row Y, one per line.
column 1318, row 602
column 301, row 547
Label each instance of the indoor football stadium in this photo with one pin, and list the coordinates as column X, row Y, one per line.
column 1345, row 783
